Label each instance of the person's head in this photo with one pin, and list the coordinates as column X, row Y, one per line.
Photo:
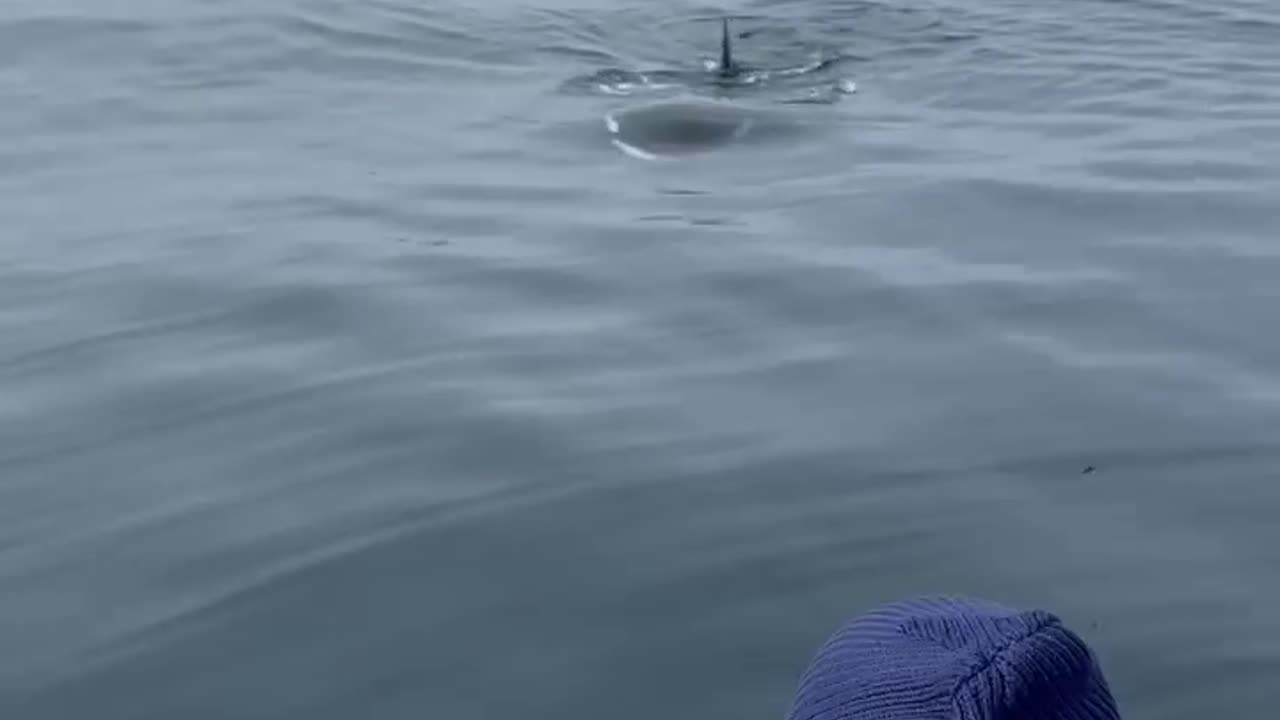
column 954, row 659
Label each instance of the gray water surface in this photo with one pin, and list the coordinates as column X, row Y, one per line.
column 347, row 370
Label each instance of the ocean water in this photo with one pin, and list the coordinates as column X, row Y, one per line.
column 348, row 369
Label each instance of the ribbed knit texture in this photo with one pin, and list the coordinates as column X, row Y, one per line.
column 954, row 659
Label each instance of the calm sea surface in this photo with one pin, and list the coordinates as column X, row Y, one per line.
column 348, row 370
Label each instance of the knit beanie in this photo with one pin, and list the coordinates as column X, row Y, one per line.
column 954, row 659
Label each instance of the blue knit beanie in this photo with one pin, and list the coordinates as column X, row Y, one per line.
column 954, row 659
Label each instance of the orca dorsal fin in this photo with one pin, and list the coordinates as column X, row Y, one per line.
column 727, row 68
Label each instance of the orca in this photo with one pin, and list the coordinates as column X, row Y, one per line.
column 689, row 125
column 728, row 68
